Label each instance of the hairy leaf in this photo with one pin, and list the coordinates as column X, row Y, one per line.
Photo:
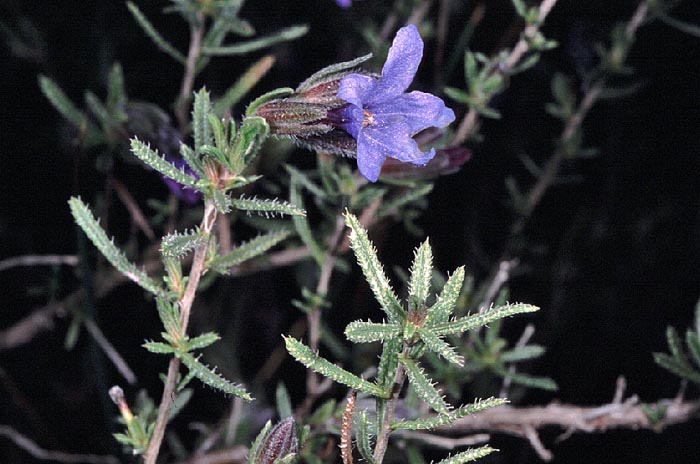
column 304, row 355
column 284, row 35
column 200, row 120
column 423, row 386
column 159, row 347
column 443, row 307
column 202, row 341
column 469, row 455
column 91, row 226
column 160, row 164
column 246, row 251
column 439, row 346
column 421, row 273
column 367, row 332
column 445, row 419
column 269, row 208
column 329, row 71
column 363, row 436
column 477, row 320
column 211, row 378
column 176, row 245
column 373, row 271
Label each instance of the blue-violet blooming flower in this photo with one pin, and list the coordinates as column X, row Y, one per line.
column 382, row 118
column 344, row 3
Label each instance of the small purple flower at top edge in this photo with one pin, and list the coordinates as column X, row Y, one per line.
column 344, row 3
column 188, row 195
column 382, row 118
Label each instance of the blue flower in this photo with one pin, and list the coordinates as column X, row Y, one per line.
column 382, row 118
column 344, row 3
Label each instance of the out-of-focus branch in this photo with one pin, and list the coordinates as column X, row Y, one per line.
column 38, row 260
column 470, row 120
column 46, row 455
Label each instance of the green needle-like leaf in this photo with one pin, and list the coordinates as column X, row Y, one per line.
column 202, row 341
column 423, row 387
column 159, row 347
column 399, row 201
column 269, row 208
column 154, row 35
column 522, row 353
column 65, row 106
column 368, row 332
column 170, row 317
column 211, row 378
column 388, row 362
column 693, row 341
column 304, row 355
column 439, row 346
column 243, row 85
column 443, row 307
column 200, row 120
column 445, row 419
column 679, row 368
column 176, row 245
column 373, row 271
column 363, row 436
column 91, row 226
column 477, row 320
column 242, row 48
column 469, row 455
column 329, row 71
column 421, row 273
column 246, row 251
column 302, row 225
column 150, row 157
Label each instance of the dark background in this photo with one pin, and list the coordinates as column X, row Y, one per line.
column 613, row 257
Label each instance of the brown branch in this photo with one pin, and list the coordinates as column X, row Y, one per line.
column 46, row 455
column 109, row 351
column 470, row 120
column 598, row 419
column 185, row 304
column 38, row 260
column 234, row 455
column 195, row 50
column 134, row 209
column 25, row 330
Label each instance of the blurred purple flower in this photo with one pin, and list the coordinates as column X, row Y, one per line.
column 185, row 194
column 382, row 118
column 344, row 3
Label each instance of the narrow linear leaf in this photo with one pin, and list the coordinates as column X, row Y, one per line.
column 372, row 269
column 440, row 346
column 445, row 419
column 423, row 386
column 329, row 71
column 522, row 354
column 367, row 332
column 469, row 455
column 477, row 320
column 681, row 370
column 269, row 208
column 421, row 273
column 169, row 314
column 530, row 381
column 243, row 85
column 396, row 203
column 242, row 48
column 97, row 108
column 154, row 35
column 176, row 245
column 363, row 436
column 302, row 226
column 306, row 182
column 283, row 401
column 202, row 341
column 388, row 362
column 65, row 106
column 200, row 120
column 160, row 164
column 693, row 341
column 91, row 226
column 264, row 98
column 211, row 378
column 116, row 94
column 248, row 250
column 443, row 307
column 304, row 355
column 158, row 347
column 255, row 448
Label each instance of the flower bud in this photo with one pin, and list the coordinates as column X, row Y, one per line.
column 280, row 442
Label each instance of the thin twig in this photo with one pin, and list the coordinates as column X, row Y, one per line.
column 185, row 304
column 522, row 341
column 388, row 416
column 234, row 455
column 25, row 330
column 111, row 352
column 447, row 443
column 38, row 260
column 134, row 209
column 195, row 50
column 45, row 455
column 470, row 120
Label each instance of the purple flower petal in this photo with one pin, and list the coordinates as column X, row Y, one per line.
column 344, row 3
column 421, row 110
column 355, row 87
column 401, row 65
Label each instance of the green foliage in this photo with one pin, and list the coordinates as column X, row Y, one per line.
column 91, row 226
column 284, row 35
column 450, row 417
column 268, row 208
column 154, row 35
column 177, row 245
column 246, row 251
column 60, row 101
column 210, row 377
column 678, row 361
column 150, row 157
column 468, row 456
